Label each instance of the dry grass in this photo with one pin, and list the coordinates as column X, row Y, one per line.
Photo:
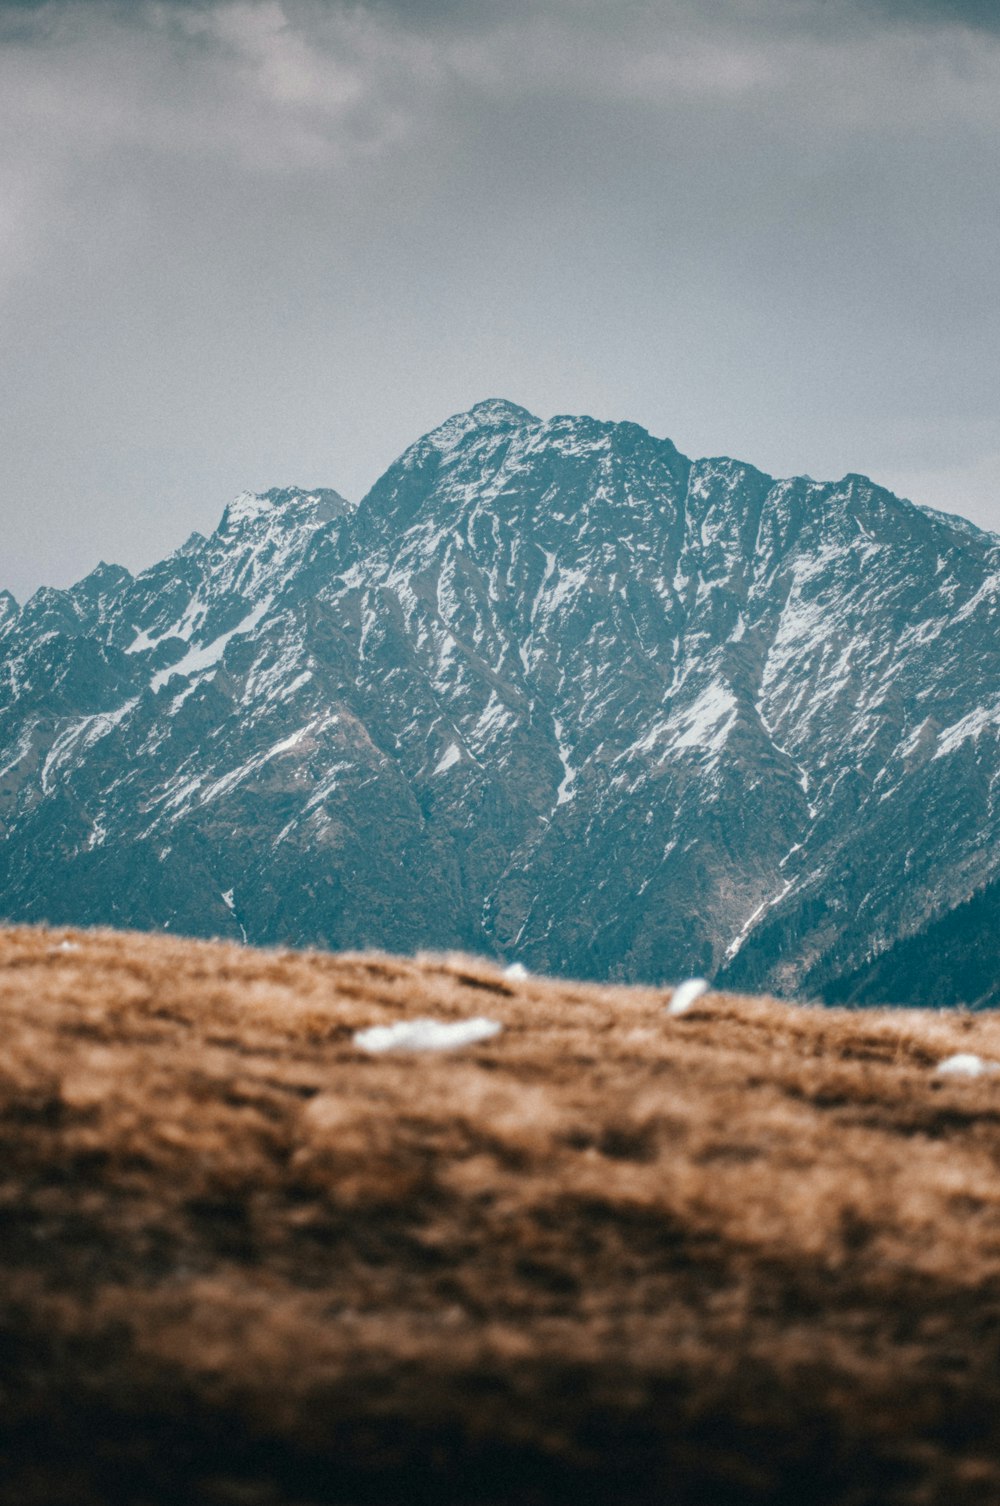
column 747, row 1255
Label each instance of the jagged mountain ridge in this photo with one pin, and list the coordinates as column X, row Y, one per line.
column 551, row 691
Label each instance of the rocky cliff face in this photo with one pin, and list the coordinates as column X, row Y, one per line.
column 551, row 691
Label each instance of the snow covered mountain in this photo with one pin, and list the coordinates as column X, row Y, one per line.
column 550, row 691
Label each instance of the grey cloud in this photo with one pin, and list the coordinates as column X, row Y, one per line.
column 259, row 243
column 649, row 14
column 578, row 15
column 980, row 14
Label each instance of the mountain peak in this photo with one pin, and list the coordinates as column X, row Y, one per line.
column 327, row 503
column 499, row 411
column 492, row 413
column 320, row 504
column 107, row 575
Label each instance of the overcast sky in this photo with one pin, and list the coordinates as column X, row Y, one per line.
column 247, row 243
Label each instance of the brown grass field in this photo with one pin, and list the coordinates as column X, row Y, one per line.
column 750, row 1254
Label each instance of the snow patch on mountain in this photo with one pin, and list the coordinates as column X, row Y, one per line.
column 208, row 655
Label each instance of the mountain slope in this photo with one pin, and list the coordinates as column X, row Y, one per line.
column 552, row 690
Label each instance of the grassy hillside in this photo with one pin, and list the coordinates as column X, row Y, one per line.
column 749, row 1254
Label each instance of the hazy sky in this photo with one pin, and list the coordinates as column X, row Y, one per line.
column 246, row 243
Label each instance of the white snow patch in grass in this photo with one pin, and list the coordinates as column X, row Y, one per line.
column 965, row 1064
column 685, row 995
column 426, row 1035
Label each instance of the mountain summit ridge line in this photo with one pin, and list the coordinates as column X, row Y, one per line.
column 550, row 690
